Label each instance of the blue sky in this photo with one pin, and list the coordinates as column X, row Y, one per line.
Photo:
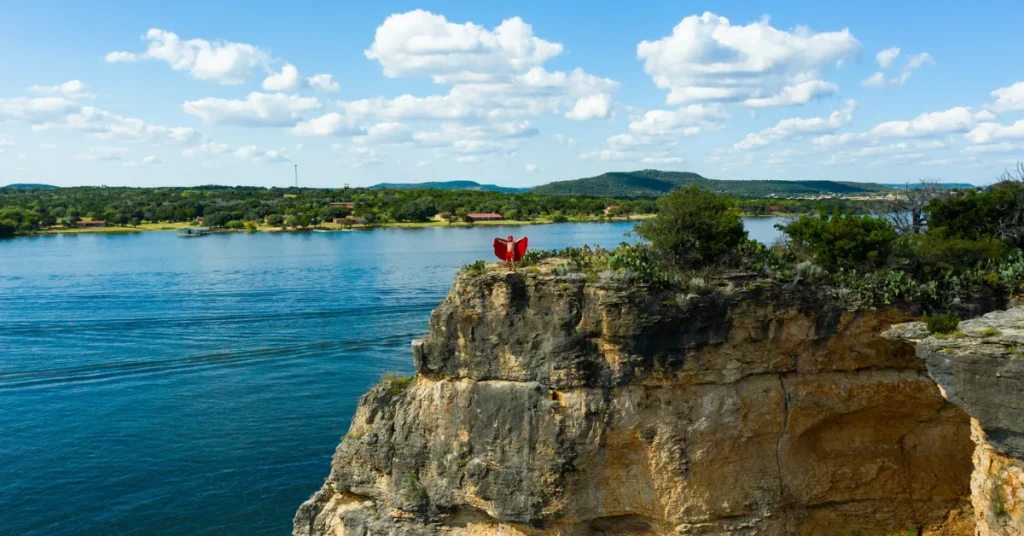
column 188, row 93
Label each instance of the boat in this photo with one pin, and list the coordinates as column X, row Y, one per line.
column 192, row 232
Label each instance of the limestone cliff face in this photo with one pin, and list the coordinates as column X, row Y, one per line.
column 981, row 369
column 548, row 404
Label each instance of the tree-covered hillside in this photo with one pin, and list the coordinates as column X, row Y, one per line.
column 654, row 183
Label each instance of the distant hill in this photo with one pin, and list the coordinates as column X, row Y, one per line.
column 654, row 183
column 27, row 186
column 451, row 185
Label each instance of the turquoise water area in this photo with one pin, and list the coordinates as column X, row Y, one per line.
column 160, row 385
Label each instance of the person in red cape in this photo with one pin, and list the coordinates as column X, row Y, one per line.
column 510, row 250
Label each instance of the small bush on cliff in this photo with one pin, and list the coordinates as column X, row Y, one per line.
column 695, row 227
column 942, row 323
column 535, row 256
column 412, row 491
column 990, row 332
column 477, row 268
column 640, row 263
column 394, row 383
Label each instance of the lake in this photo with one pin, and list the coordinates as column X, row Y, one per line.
column 150, row 383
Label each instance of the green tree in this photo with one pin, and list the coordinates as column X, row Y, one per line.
column 8, row 228
column 217, row 219
column 694, row 227
column 842, row 240
column 134, row 222
column 292, row 221
column 274, row 220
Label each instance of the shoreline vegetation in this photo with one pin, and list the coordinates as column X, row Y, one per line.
column 332, row 227
column 118, row 210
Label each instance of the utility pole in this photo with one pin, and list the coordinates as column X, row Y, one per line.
column 296, row 175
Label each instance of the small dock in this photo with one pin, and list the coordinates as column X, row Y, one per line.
column 191, row 232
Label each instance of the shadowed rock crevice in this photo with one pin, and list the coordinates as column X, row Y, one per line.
column 980, row 368
column 552, row 405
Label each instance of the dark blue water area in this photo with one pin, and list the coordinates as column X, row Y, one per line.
column 160, row 385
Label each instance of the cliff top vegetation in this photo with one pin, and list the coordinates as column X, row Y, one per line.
column 935, row 249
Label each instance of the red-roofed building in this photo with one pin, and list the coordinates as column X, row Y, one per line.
column 91, row 223
column 484, row 216
column 344, row 204
column 610, row 208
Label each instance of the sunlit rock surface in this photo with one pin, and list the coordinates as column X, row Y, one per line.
column 555, row 405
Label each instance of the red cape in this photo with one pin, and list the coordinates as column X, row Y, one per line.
column 518, row 248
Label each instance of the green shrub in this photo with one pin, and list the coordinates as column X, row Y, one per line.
column 978, row 215
column 990, row 332
column 394, row 383
column 842, row 240
column 998, row 500
column 477, row 268
column 413, row 491
column 695, row 227
column 535, row 256
column 639, row 262
column 942, row 323
column 937, row 253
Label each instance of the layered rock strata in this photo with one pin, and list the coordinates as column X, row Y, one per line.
column 548, row 404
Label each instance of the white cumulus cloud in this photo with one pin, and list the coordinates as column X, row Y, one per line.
column 886, row 57
column 323, row 82
column 222, row 62
column 591, row 107
column 1010, row 98
column 258, row 109
column 958, row 119
column 987, row 132
column 286, row 80
column 708, row 59
column 35, row 109
column 257, row 154
column 331, row 124
column 72, row 89
column 108, row 125
column 420, row 43
column 797, row 127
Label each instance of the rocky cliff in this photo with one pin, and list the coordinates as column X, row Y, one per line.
column 980, row 368
column 554, row 404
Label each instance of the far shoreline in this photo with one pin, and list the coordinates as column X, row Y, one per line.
column 332, row 227
column 325, row 227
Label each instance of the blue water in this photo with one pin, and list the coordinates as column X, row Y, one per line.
column 153, row 384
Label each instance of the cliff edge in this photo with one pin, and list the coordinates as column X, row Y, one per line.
column 564, row 405
column 980, row 368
